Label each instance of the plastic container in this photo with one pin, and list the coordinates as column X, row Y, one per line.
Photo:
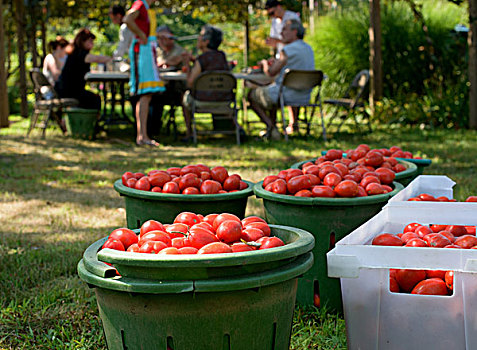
column 329, row 220
column 164, row 207
column 404, row 177
column 435, row 185
column 81, row 123
column 378, row 319
column 247, row 311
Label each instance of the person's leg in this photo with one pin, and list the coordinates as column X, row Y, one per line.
column 257, row 107
column 293, row 112
column 186, row 111
column 156, row 109
column 142, row 111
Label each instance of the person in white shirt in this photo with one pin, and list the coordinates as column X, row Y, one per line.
column 116, row 14
column 54, row 61
column 279, row 16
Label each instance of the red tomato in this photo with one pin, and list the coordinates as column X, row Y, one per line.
column 243, row 185
column 224, row 217
column 386, row 176
column 215, row 248
column 291, row 173
column 342, row 168
column 456, row 230
column 411, row 227
column 407, row 279
column 279, row 186
column 155, row 236
column 177, row 230
column 312, row 169
column 269, row 179
column 393, row 285
column 399, row 168
column 326, row 170
column 416, row 242
column 466, row 241
column 347, row 188
column 422, row 231
column 210, row 219
column 219, row 173
column 205, row 176
column 241, row 247
column 232, row 182
column 199, row 237
column 263, row 226
column 470, row 230
column 190, row 190
column 203, row 168
column 431, row 286
column 406, row 237
column 436, row 274
column 188, row 218
column 159, row 179
column 449, row 279
column 323, row 191
column 178, row 242
column 156, row 189
column 125, row 235
column 271, row 242
column 442, row 199
column 426, row 197
column 126, row 176
column 251, row 234
column 298, row 183
column 188, row 250
column 174, row 171
column 171, row 187
column 332, row 180
column 315, row 180
column 374, row 189
column 387, row 239
column 131, row 182
column 471, row 199
column 448, row 235
column 143, row 184
column 436, row 240
column 115, row 244
column 437, row 228
column 374, row 159
column 152, row 247
column 169, row 251
column 190, row 169
column 250, row 219
column 139, row 175
column 303, row 193
column 189, row 180
column 453, row 246
column 361, row 191
column 229, row 231
column 133, row 248
column 150, row 225
column 210, row 187
column 333, row 154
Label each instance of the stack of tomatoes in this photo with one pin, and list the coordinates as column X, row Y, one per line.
column 191, row 179
column 425, row 197
column 393, row 151
column 435, row 282
column 196, row 234
column 334, row 176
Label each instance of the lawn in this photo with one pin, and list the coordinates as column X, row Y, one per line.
column 56, row 198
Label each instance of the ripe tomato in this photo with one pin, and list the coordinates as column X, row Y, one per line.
column 333, row 154
column 297, row 183
column 188, row 218
column 291, row 173
column 224, row 217
column 150, row 225
column 471, row 199
column 169, row 251
column 312, row 169
column 271, row 242
column 143, row 184
column 323, row 191
column 436, row 240
column 332, row 180
column 269, row 179
column 126, row 176
column 422, row 231
column 134, row 248
column 251, row 234
column 250, row 219
column 342, row 168
column 171, row 187
column 436, row 274
column 431, row 286
column 374, row 159
column 190, row 190
column 456, row 230
column 263, row 226
column 232, row 182
column 466, row 241
column 449, row 279
column 210, row 219
column 406, row 237
column 155, row 236
column 448, row 235
column 125, row 235
column 203, row 168
column 199, row 237
column 156, row 189
column 416, row 242
column 139, row 175
column 152, row 247
column 437, row 228
column 399, row 168
column 374, row 188
column 407, row 279
column 393, row 285
column 159, row 178
column 188, row 250
column 347, row 188
column 174, row 171
column 426, row 197
column 229, row 231
column 315, row 180
column 470, row 230
column 362, row 192
column 387, row 239
column 210, row 187
column 205, row 176
column 303, row 193
column 178, row 242
column 189, row 180
column 279, row 186
column 177, row 230
column 324, row 170
column 131, row 182
column 215, row 248
column 241, row 247
column 219, row 173
column 386, row 176
column 411, row 227
column 115, row 244
column 190, row 169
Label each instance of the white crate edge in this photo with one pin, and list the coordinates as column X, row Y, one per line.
column 436, row 185
column 355, row 251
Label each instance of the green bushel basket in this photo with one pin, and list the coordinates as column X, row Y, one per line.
column 404, row 177
column 81, row 123
column 329, row 220
column 164, row 207
column 248, row 311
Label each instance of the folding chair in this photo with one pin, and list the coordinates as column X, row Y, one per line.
column 302, row 80
column 352, row 101
column 47, row 103
column 222, row 85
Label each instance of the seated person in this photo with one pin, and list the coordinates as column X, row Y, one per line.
column 211, row 59
column 54, row 61
column 169, row 55
column 71, row 83
column 296, row 54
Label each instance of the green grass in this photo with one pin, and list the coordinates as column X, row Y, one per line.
column 56, row 198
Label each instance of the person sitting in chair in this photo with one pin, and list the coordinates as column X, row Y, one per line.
column 296, row 54
column 211, row 59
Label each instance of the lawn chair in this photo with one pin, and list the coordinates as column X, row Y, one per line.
column 352, row 101
column 302, row 80
column 222, row 109
column 47, row 103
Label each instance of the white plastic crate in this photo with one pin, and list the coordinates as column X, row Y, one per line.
column 436, row 185
column 378, row 319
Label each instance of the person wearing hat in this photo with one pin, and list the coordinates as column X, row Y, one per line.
column 279, row 16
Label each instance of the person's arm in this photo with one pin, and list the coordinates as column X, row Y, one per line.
column 193, row 73
column 124, row 42
column 130, row 20
column 275, row 67
column 50, row 65
column 90, row 58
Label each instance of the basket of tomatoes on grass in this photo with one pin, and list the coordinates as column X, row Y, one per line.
column 162, row 194
column 329, row 200
column 200, row 282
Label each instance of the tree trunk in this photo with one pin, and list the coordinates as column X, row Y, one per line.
column 375, row 57
column 246, row 42
column 32, row 8
column 43, row 20
column 20, row 19
column 472, row 43
column 4, row 112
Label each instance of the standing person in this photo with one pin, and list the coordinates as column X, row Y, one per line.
column 296, row 54
column 211, row 59
column 117, row 13
column 71, row 82
column 54, row 61
column 144, row 78
column 279, row 16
